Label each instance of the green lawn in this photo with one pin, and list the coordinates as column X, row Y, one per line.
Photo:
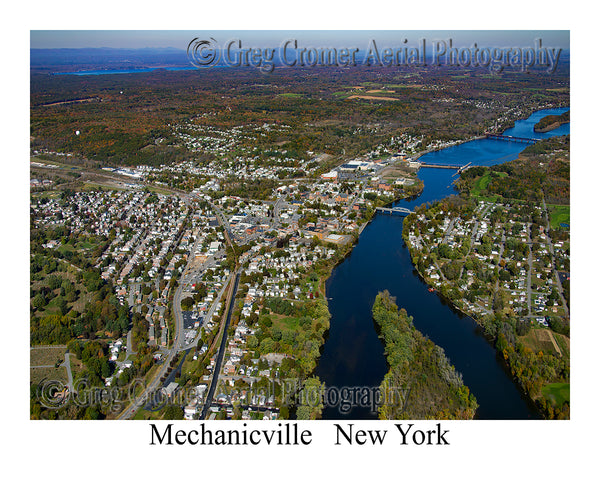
column 66, row 247
column 408, row 85
column 481, row 184
column 285, row 323
column 492, row 199
column 559, row 214
column 557, row 393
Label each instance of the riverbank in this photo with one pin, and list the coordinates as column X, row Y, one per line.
column 439, row 149
column 380, row 261
column 476, row 281
column 552, row 122
column 418, row 368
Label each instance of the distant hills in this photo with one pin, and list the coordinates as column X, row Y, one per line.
column 47, row 60
column 63, row 60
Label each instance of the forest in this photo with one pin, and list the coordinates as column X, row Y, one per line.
column 132, row 117
column 550, row 122
column 542, row 170
column 429, row 386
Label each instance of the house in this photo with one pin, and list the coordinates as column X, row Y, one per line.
column 170, row 389
column 330, row 175
column 342, row 198
column 191, row 409
column 229, row 368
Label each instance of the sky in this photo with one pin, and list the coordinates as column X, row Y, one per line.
column 310, row 38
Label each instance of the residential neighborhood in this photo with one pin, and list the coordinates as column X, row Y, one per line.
column 497, row 242
column 166, row 257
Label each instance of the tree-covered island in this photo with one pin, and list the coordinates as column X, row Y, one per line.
column 421, row 383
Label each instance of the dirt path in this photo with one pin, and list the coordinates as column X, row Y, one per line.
column 554, row 343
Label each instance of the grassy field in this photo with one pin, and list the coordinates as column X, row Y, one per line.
column 46, row 355
column 481, row 184
column 37, row 375
column 557, row 393
column 559, row 214
column 372, row 97
column 94, row 186
column 408, row 85
column 537, row 339
column 142, row 414
column 283, row 322
column 40, row 358
column 492, row 199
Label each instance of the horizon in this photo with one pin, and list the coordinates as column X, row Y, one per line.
column 179, row 39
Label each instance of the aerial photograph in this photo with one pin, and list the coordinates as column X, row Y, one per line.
column 299, row 225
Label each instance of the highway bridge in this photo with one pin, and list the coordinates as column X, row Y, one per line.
column 510, row 138
column 439, row 165
column 394, row 210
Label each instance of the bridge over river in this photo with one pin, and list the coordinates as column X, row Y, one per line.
column 403, row 210
column 511, row 138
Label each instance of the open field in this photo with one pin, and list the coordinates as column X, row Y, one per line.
column 40, row 374
column 370, row 97
column 42, row 361
column 483, row 182
column 46, row 355
column 559, row 214
column 541, row 339
column 557, row 393
column 408, row 85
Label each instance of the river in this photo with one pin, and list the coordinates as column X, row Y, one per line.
column 353, row 354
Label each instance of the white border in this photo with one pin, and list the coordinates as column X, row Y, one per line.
column 493, row 449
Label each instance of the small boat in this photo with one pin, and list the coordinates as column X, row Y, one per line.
column 431, row 289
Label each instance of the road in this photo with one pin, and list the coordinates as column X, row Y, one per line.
column 211, row 311
column 221, row 352
column 179, row 340
column 449, row 231
column 277, row 209
column 222, row 220
column 67, row 365
column 530, row 263
column 551, row 250
column 129, row 345
column 178, row 345
column 141, row 399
